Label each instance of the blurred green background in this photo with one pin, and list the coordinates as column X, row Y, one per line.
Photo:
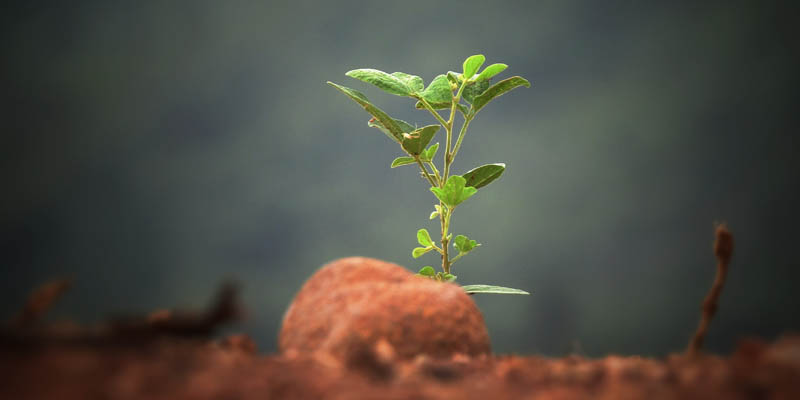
column 151, row 150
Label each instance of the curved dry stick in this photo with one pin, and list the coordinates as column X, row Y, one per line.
column 723, row 248
column 40, row 301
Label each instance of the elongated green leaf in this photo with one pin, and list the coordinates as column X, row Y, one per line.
column 400, row 161
column 419, row 251
column 454, row 191
column 472, row 64
column 464, row 244
column 424, row 238
column 404, row 126
column 419, row 106
column 389, row 123
column 414, row 143
column 484, row 175
column 491, row 289
column 414, row 83
column 490, row 71
column 438, row 93
column 498, row 89
column 427, row 271
column 428, row 154
column 386, row 82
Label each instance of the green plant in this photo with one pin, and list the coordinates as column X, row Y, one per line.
column 451, row 190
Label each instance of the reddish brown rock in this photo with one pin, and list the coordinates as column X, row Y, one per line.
column 351, row 304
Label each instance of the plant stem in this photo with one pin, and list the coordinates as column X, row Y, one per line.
column 445, row 218
column 433, row 111
column 448, row 156
column 435, row 171
column 425, row 171
column 448, row 159
column 456, row 99
column 467, row 120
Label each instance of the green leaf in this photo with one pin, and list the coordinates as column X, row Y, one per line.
column 419, row 251
column 491, row 289
column 428, row 154
column 413, row 82
column 424, row 238
column 400, row 161
column 472, row 64
column 386, row 82
column 414, row 143
column 427, row 271
column 498, row 89
column 438, row 93
column 405, row 127
column 448, row 277
column 454, row 191
column 473, row 90
column 455, row 79
column 490, row 71
column 464, row 244
column 484, row 175
column 395, row 131
column 437, row 211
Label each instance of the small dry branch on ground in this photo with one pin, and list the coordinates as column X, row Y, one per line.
column 723, row 249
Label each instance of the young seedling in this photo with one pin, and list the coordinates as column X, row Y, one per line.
column 445, row 92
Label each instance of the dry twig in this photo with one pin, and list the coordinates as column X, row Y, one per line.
column 723, row 248
column 224, row 309
column 40, row 302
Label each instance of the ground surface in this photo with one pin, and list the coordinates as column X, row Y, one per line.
column 169, row 368
column 351, row 337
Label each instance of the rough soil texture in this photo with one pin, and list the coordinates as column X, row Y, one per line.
column 358, row 329
column 177, row 369
column 360, row 302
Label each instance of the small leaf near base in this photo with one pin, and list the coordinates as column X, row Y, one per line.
column 491, row 289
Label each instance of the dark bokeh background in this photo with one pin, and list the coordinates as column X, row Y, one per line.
column 152, row 150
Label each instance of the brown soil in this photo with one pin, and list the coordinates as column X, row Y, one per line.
column 351, row 337
column 192, row 369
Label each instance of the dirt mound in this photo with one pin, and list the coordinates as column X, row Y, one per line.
column 359, row 305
